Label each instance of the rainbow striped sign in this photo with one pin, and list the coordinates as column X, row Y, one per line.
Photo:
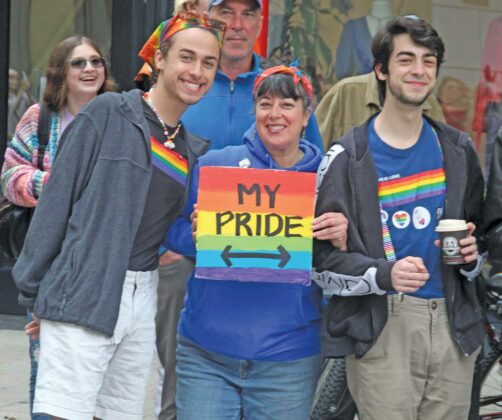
column 255, row 225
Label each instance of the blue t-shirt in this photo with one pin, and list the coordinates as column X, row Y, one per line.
column 411, row 190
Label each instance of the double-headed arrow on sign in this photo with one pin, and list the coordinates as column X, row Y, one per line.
column 283, row 255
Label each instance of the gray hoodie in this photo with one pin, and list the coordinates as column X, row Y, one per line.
column 76, row 253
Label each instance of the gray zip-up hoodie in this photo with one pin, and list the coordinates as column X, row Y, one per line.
column 357, row 313
column 76, row 253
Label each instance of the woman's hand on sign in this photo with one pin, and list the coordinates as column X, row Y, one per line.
column 333, row 227
column 193, row 218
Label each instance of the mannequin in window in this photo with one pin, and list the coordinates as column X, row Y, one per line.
column 489, row 87
column 353, row 55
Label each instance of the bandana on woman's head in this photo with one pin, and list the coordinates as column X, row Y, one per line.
column 294, row 72
column 183, row 20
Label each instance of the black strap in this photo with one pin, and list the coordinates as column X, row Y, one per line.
column 44, row 125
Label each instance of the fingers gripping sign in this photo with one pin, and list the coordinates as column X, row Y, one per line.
column 333, row 227
column 409, row 274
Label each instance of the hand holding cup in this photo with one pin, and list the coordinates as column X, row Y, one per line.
column 458, row 245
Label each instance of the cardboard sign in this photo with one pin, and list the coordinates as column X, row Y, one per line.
column 255, row 225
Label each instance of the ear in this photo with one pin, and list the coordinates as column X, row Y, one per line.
column 159, row 60
column 378, row 71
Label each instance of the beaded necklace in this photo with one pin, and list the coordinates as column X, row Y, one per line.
column 169, row 143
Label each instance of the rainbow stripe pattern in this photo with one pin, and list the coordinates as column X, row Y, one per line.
column 411, row 188
column 169, row 161
column 263, row 233
column 390, row 253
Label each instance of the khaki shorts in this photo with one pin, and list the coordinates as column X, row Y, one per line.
column 83, row 373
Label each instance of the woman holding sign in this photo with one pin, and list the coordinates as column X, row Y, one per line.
column 250, row 349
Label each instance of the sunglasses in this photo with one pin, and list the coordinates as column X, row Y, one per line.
column 215, row 24
column 80, row 62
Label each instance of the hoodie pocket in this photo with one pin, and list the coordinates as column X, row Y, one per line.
column 74, row 271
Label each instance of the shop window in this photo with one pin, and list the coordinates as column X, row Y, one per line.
column 332, row 39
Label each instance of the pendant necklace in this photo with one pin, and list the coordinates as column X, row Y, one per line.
column 169, row 143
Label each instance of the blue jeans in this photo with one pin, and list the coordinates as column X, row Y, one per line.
column 34, row 350
column 213, row 386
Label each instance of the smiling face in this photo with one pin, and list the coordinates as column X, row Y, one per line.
column 187, row 70
column 83, row 84
column 411, row 73
column 280, row 121
column 243, row 19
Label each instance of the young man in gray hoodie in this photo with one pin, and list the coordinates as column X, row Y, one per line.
column 87, row 267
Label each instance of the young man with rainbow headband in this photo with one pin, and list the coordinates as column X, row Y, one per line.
column 250, row 349
column 116, row 186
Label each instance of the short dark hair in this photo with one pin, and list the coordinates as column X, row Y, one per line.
column 421, row 32
column 282, row 85
column 55, row 90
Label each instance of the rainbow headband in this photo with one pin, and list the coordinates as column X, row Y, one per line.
column 294, row 72
column 183, row 20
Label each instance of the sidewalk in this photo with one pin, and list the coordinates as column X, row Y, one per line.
column 14, row 372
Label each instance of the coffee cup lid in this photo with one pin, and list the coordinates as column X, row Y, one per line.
column 451, row 225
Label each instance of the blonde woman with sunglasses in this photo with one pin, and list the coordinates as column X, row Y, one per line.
column 76, row 73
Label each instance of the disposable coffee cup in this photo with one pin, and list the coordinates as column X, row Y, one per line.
column 451, row 231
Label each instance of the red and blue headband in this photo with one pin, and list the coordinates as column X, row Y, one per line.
column 297, row 76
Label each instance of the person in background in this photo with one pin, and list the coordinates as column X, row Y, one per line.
column 352, row 101
column 117, row 184
column 409, row 325
column 77, row 72
column 223, row 115
column 195, row 6
column 251, row 349
column 19, row 100
column 493, row 209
